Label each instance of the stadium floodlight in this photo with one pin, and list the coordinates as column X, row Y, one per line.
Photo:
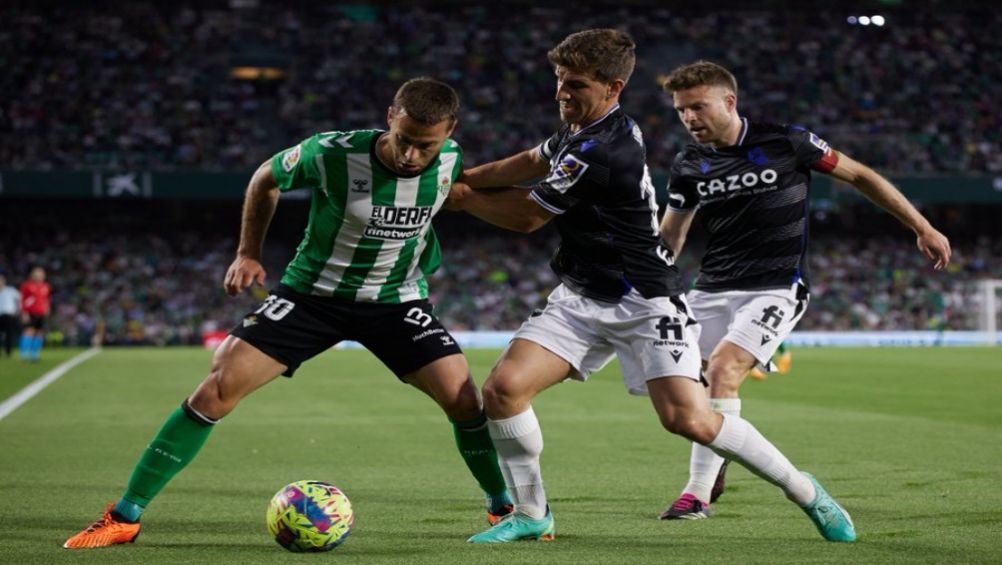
column 853, row 20
column 864, row 20
column 877, row 20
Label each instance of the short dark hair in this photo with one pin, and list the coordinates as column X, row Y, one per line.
column 698, row 74
column 427, row 100
column 608, row 54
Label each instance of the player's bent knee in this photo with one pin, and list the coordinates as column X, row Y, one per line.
column 228, row 381
column 725, row 376
column 694, row 427
column 211, row 397
column 501, row 393
column 464, row 405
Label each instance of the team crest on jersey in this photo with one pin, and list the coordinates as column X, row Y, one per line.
column 567, row 172
column 291, row 158
column 757, row 155
column 444, row 184
column 819, row 143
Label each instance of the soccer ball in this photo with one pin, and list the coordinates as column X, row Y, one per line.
column 310, row 516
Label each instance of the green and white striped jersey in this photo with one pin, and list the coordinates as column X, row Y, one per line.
column 369, row 236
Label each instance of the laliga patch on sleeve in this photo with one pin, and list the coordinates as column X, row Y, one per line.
column 819, row 143
column 565, row 173
column 291, row 158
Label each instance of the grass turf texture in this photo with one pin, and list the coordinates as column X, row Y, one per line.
column 907, row 439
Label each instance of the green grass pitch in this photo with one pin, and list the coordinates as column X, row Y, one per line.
column 909, row 440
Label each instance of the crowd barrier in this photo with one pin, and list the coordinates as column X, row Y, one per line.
column 493, row 340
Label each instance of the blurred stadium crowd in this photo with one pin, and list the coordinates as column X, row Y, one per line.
column 146, row 85
column 148, row 287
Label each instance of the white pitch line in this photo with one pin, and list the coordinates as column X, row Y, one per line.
column 26, row 393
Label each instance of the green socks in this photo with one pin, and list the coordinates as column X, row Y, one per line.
column 475, row 445
column 174, row 446
column 185, row 431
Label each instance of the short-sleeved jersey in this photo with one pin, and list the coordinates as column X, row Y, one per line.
column 35, row 297
column 369, row 237
column 753, row 201
column 601, row 191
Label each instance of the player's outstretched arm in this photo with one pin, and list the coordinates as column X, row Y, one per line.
column 517, row 169
column 674, row 228
column 260, row 202
column 509, row 207
column 881, row 192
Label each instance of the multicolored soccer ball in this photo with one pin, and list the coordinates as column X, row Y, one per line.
column 310, row 516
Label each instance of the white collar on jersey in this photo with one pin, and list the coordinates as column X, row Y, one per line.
column 596, row 122
column 744, row 131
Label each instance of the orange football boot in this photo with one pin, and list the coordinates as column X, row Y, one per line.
column 493, row 518
column 785, row 362
column 104, row 532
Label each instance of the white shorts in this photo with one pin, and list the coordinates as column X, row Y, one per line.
column 756, row 320
column 653, row 338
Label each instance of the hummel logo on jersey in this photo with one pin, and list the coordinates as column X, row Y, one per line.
column 361, row 185
column 397, row 222
column 250, row 321
column 732, row 183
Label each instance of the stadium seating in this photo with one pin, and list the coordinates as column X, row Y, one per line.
column 139, row 85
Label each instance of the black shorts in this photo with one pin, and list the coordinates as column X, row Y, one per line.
column 36, row 322
column 292, row 327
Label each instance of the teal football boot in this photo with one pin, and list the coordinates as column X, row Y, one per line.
column 517, row 526
column 832, row 521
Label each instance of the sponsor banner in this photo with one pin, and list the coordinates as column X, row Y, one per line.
column 497, row 340
column 231, row 185
column 212, row 339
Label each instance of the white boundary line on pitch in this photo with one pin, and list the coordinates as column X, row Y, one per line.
column 26, row 393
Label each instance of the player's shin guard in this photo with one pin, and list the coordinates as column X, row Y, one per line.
column 740, row 441
column 704, row 464
column 475, row 445
column 175, row 445
column 519, row 442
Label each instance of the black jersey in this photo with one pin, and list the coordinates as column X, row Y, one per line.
column 753, row 201
column 601, row 191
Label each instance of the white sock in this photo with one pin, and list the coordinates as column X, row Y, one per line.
column 704, row 464
column 519, row 441
column 740, row 441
